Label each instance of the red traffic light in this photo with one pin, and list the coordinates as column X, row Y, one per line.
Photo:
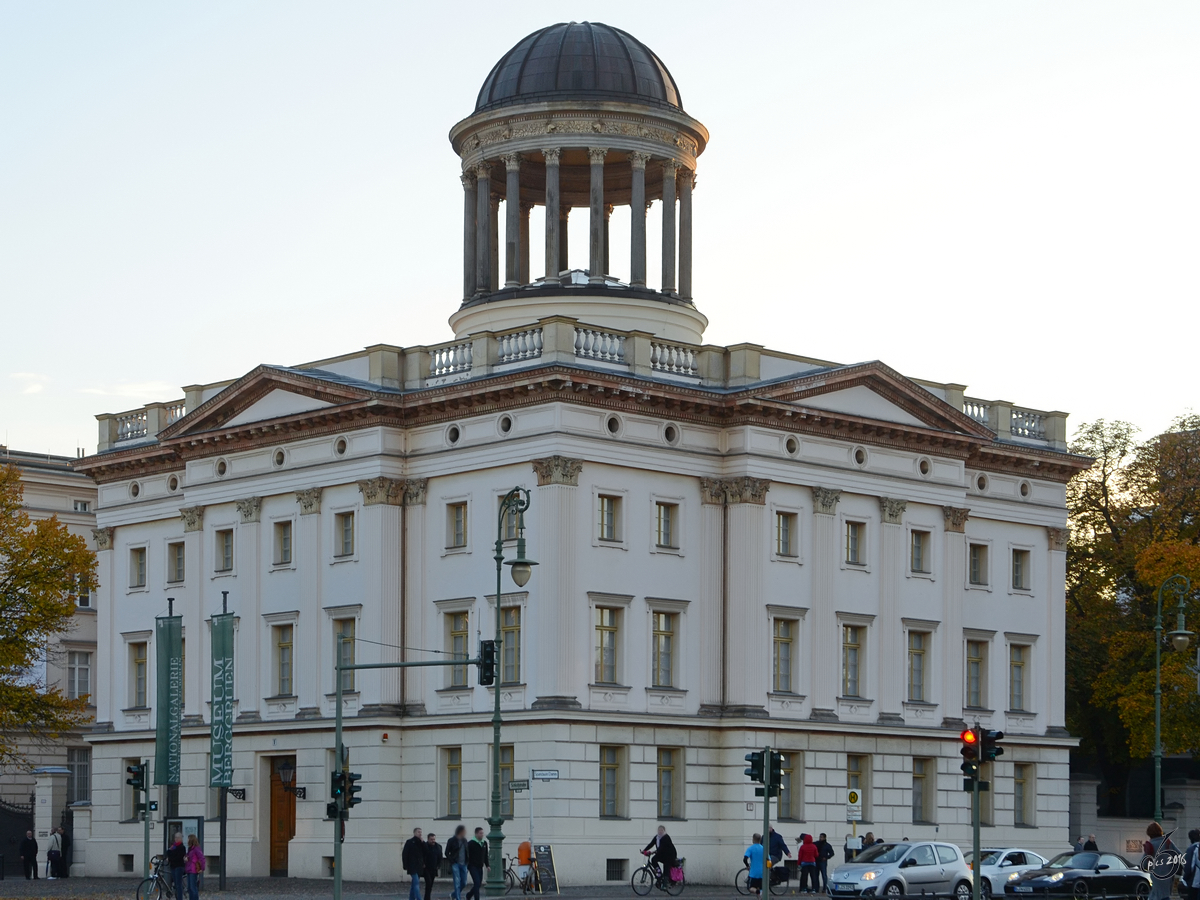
column 969, row 737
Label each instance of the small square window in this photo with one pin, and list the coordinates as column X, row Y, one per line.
column 977, row 564
column 610, row 512
column 666, row 525
column 283, row 543
column 344, row 533
column 919, row 559
column 224, row 539
column 786, row 534
column 855, row 548
column 175, row 560
column 82, row 506
column 456, row 525
column 1020, row 570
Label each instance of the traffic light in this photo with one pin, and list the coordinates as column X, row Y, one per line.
column 487, row 662
column 756, row 771
column 138, row 779
column 337, row 785
column 970, row 754
column 776, row 769
column 991, row 745
column 352, row 790
column 331, row 810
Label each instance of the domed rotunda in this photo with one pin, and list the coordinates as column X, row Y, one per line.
column 577, row 116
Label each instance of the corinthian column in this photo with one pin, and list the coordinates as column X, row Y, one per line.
column 563, row 256
column 554, row 224
column 512, row 220
column 637, row 212
column 685, row 233
column 483, row 229
column 596, row 258
column 668, row 226
column 523, row 274
column 494, row 243
column 469, row 201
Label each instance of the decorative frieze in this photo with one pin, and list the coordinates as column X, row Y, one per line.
column 508, row 131
column 825, row 501
column 382, row 490
column 193, row 518
column 414, row 491
column 104, row 537
column 956, row 518
column 892, row 510
column 309, row 500
column 557, row 470
column 249, row 509
column 744, row 489
column 1058, row 537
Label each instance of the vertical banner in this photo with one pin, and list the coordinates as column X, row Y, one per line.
column 221, row 772
column 168, row 640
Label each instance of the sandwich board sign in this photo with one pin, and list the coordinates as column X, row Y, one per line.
column 853, row 805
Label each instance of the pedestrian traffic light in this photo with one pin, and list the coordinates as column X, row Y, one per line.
column 138, row 779
column 352, row 790
column 970, row 753
column 756, row 771
column 487, row 662
column 331, row 810
column 991, row 745
column 776, row 769
column 337, row 785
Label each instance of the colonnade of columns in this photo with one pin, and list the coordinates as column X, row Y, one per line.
column 481, row 206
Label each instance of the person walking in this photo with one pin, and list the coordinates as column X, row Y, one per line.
column 477, row 861
column 412, row 860
column 1162, row 886
column 433, row 863
column 777, row 849
column 28, row 852
column 1090, row 844
column 176, row 861
column 194, row 866
column 54, row 855
column 825, row 853
column 456, row 852
column 1079, row 844
column 1191, row 866
column 753, row 859
column 807, row 854
column 65, row 866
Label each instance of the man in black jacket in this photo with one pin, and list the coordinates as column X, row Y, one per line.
column 28, row 853
column 477, row 861
column 825, row 853
column 433, row 863
column 664, row 852
column 412, row 858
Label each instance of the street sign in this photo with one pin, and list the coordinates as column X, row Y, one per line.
column 853, row 806
column 522, row 785
column 545, row 774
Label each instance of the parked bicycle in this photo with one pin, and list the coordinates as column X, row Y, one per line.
column 158, row 885
column 741, row 881
column 651, row 876
column 531, row 883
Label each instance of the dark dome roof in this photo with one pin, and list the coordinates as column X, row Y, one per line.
column 579, row 60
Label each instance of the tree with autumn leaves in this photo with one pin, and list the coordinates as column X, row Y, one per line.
column 42, row 567
column 1135, row 521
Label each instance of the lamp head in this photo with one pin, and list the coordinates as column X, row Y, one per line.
column 287, row 772
column 1180, row 639
column 521, row 568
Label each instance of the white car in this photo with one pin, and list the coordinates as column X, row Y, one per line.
column 1000, row 865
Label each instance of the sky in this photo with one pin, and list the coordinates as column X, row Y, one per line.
column 1003, row 195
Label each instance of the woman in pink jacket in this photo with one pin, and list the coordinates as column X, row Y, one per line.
column 193, row 867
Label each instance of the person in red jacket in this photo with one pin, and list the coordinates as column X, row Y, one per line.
column 807, row 856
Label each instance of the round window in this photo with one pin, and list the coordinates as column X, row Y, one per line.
column 613, row 424
column 981, row 482
column 173, row 484
column 452, row 435
column 340, row 447
column 860, row 456
column 792, row 446
column 505, row 424
column 222, row 468
column 671, row 434
column 135, row 489
column 279, row 459
column 925, row 467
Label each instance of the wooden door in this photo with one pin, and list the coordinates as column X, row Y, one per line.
column 283, row 820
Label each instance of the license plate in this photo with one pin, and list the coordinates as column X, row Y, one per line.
column 1023, row 889
column 843, row 889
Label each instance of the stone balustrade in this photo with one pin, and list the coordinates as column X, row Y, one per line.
column 450, row 360
column 678, row 359
column 601, row 346
column 519, row 346
column 976, row 409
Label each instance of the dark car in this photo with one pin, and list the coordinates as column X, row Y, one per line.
column 1080, row 875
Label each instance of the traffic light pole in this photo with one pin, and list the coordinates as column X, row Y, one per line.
column 766, row 832
column 146, row 819
column 977, row 864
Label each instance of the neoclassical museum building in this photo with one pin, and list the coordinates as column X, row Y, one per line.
column 736, row 546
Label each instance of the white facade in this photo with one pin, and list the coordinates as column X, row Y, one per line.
column 834, row 560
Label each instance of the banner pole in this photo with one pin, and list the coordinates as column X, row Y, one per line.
column 224, row 818
column 146, row 823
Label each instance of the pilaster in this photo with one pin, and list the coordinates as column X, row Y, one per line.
column 826, row 667
column 106, row 693
column 951, row 632
column 416, row 614
column 306, row 647
column 379, row 536
column 246, row 603
column 889, row 635
column 1056, row 631
column 198, row 563
column 749, row 633
column 556, row 607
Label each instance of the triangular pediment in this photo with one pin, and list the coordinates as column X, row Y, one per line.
column 860, row 400
column 276, row 404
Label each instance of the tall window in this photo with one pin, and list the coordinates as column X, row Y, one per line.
column 1018, row 656
column 1020, row 570
column 669, row 797
column 987, row 772
column 283, row 543
column 855, row 551
column 456, row 525
column 343, row 631
column 79, row 674
column 344, row 525
column 137, row 657
column 923, row 773
column 610, row 782
column 784, row 642
column 137, row 567
column 852, row 636
column 459, row 636
column 1022, row 794
column 283, row 660
column 976, row 673
column 83, row 596
column 175, row 558
column 785, row 534
column 606, row 645
column 977, row 562
column 508, row 525
column 225, row 550
column 790, row 788
column 510, row 634
column 918, row 642
column 79, row 777
column 920, row 552
column 454, row 781
column 666, row 525
column 609, row 518
column 858, row 778
column 506, row 775
column 663, row 661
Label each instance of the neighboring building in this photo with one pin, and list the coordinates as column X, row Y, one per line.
column 737, row 546
column 53, row 488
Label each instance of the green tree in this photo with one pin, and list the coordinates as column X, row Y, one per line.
column 41, row 566
column 1135, row 519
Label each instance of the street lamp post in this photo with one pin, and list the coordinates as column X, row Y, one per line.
column 1181, row 586
column 514, row 503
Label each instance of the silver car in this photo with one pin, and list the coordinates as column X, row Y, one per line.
column 892, row 870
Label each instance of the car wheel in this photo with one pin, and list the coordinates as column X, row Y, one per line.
column 1142, row 891
column 963, row 890
column 1080, row 890
column 895, row 889
column 985, row 888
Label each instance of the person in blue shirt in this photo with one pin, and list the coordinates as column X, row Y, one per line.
column 753, row 857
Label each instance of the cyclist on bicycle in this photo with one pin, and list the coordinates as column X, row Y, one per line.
column 664, row 856
column 753, row 859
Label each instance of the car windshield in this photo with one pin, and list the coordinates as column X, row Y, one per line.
column 989, row 856
column 883, row 853
column 1074, row 861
